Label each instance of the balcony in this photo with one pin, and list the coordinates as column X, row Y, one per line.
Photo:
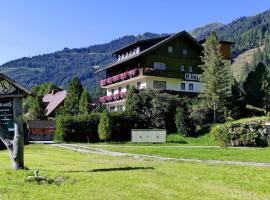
column 112, row 98
column 120, row 77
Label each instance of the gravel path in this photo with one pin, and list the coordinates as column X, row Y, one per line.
column 91, row 150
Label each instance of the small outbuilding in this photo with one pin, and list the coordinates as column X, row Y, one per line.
column 41, row 130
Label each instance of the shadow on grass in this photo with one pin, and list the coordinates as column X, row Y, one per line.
column 111, row 169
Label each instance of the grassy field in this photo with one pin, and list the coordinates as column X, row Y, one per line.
column 85, row 176
column 178, row 151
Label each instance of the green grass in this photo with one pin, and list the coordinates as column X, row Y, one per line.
column 206, row 153
column 127, row 178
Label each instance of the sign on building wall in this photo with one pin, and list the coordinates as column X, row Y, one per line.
column 6, row 116
column 192, row 77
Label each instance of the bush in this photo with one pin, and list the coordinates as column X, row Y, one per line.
column 77, row 128
column 121, row 126
column 85, row 128
column 105, row 126
column 252, row 134
column 180, row 121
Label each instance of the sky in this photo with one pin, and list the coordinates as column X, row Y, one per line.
column 34, row 27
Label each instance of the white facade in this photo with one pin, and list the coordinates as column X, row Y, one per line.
column 147, row 82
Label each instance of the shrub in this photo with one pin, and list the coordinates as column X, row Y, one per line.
column 180, row 121
column 122, row 124
column 105, row 126
column 222, row 135
column 252, row 134
column 85, row 128
column 77, row 128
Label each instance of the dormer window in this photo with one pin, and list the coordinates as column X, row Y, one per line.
column 170, row 49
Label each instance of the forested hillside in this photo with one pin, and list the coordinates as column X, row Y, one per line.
column 61, row 66
column 246, row 32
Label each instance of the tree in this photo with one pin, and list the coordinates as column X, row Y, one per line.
column 257, row 87
column 180, row 121
column 37, row 110
column 85, row 103
column 33, row 106
column 105, row 126
column 215, row 77
column 74, row 91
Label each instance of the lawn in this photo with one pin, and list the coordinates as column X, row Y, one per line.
column 204, row 153
column 87, row 176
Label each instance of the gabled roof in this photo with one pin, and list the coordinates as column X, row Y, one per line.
column 142, row 42
column 150, row 49
column 54, row 100
column 15, row 84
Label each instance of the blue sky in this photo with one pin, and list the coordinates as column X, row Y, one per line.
column 32, row 27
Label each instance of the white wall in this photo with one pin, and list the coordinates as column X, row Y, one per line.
column 174, row 84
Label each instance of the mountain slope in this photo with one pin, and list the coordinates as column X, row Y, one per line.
column 205, row 29
column 246, row 32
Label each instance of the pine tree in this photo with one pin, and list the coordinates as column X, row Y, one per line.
column 215, row 76
column 257, row 87
column 84, row 103
column 74, row 91
column 105, row 126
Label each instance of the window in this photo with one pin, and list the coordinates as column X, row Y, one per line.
column 160, row 85
column 138, row 85
column 112, row 91
column 190, row 68
column 170, row 49
column 112, row 108
column 183, row 86
column 159, row 65
column 182, row 68
column 190, row 86
column 119, row 90
column 184, row 52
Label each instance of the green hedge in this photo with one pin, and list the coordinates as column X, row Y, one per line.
column 121, row 126
column 77, row 128
column 85, row 128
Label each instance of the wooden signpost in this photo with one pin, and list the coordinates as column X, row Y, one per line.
column 11, row 122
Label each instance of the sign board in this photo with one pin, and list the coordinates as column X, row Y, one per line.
column 192, row 77
column 6, row 116
column 6, row 87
